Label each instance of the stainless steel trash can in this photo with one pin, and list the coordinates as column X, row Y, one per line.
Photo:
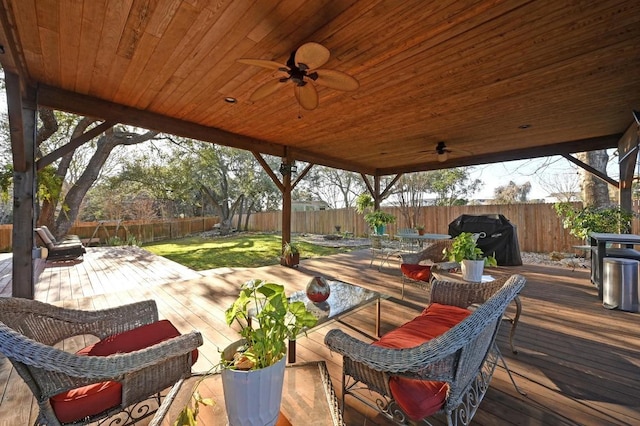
column 620, row 284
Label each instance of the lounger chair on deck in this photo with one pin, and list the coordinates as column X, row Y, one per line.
column 66, row 238
column 64, row 250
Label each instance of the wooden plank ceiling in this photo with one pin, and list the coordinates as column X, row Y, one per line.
column 495, row 80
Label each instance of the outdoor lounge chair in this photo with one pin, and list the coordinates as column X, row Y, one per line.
column 64, row 250
column 66, row 238
column 441, row 362
column 417, row 274
column 136, row 357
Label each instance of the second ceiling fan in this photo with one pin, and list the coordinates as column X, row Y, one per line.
column 302, row 68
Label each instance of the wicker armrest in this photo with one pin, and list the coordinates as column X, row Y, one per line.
column 410, row 258
column 408, row 361
column 48, row 358
column 464, row 294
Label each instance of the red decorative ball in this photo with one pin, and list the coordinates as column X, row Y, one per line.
column 318, row 289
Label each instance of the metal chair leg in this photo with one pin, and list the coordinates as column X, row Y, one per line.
column 506, row 367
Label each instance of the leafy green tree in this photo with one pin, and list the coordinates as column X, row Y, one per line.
column 452, row 186
column 581, row 221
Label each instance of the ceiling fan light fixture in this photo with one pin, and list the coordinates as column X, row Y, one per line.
column 443, row 156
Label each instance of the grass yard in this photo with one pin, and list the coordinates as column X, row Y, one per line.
column 242, row 250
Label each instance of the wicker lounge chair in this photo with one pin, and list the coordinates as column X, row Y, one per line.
column 136, row 358
column 420, row 275
column 453, row 369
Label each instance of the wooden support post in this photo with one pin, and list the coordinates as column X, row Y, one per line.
column 286, row 204
column 22, row 121
column 628, row 151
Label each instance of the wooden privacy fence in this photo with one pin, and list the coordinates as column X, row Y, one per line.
column 142, row 231
column 538, row 226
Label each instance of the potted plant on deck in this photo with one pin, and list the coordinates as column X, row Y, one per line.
column 290, row 255
column 465, row 251
column 378, row 220
column 253, row 367
column 420, row 229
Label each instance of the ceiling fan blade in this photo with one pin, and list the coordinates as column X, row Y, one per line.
column 337, row 80
column 272, row 65
column 313, row 55
column 307, row 96
column 266, row 89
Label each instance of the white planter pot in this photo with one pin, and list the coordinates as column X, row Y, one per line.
column 472, row 270
column 253, row 398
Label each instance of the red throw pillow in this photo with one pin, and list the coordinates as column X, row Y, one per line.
column 416, row 272
column 421, row 398
column 93, row 399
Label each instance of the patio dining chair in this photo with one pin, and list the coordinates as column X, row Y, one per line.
column 414, row 266
column 136, row 357
column 382, row 248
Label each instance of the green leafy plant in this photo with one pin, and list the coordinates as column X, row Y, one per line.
column 419, row 228
column 581, row 221
column 464, row 246
column 278, row 320
column 364, row 202
column 379, row 218
column 290, row 249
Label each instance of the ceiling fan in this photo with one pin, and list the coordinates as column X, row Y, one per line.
column 303, row 67
column 442, row 152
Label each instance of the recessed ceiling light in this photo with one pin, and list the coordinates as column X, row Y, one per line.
column 524, row 126
column 230, row 100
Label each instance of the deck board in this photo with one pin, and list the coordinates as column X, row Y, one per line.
column 578, row 362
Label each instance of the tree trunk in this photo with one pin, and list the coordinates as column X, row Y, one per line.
column 74, row 197
column 595, row 191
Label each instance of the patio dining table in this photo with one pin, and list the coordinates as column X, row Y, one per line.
column 419, row 240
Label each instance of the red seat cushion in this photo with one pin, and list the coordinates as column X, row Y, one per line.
column 421, row 398
column 93, row 399
column 416, row 272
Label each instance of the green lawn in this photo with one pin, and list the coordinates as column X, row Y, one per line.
column 242, row 250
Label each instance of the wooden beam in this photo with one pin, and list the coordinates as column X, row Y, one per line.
column 568, row 147
column 390, row 185
column 73, row 144
column 60, row 99
column 591, row 170
column 302, row 174
column 267, row 169
column 365, row 179
column 11, row 55
column 16, row 125
column 64, row 100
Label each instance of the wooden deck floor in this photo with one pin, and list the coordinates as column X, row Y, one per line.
column 578, row 362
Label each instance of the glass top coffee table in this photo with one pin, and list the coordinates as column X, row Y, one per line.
column 344, row 298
